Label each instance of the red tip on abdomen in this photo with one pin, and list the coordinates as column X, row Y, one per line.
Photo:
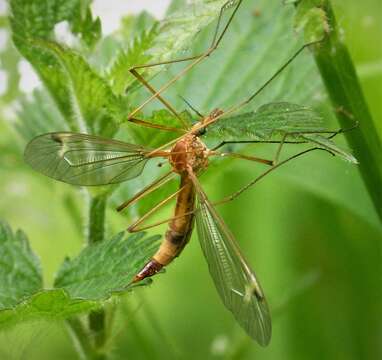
column 150, row 269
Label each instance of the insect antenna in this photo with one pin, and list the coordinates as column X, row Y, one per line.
column 192, row 107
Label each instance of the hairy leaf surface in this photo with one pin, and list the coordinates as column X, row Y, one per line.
column 81, row 284
column 20, row 273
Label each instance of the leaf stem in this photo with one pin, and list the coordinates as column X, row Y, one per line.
column 80, row 338
column 89, row 343
column 96, row 220
column 96, row 234
column 340, row 78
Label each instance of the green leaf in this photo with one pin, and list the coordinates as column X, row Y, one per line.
column 272, row 122
column 20, row 273
column 178, row 30
column 93, row 104
column 268, row 123
column 87, row 28
column 71, row 87
column 38, row 114
column 328, row 144
column 163, row 41
column 134, row 53
column 9, row 62
column 106, row 267
column 55, row 304
column 82, row 284
column 36, row 19
column 251, row 51
column 82, row 96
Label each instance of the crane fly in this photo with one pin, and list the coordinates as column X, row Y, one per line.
column 82, row 159
column 87, row 160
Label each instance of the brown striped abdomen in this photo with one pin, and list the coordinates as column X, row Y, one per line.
column 178, row 233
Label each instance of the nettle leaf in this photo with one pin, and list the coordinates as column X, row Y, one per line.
column 274, row 121
column 82, row 284
column 163, row 41
column 81, row 95
column 9, row 61
column 252, row 49
column 20, row 273
column 37, row 114
column 267, row 123
column 37, row 19
column 85, row 27
column 54, row 304
column 106, row 267
column 93, row 103
column 328, row 144
column 178, row 30
column 134, row 54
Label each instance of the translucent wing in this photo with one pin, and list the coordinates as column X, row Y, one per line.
column 234, row 280
column 82, row 159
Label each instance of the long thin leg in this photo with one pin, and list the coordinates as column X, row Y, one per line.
column 142, row 228
column 234, row 195
column 265, row 173
column 134, row 226
column 234, row 108
column 197, row 59
column 160, row 98
column 278, row 151
column 276, row 74
column 333, row 134
column 229, row 142
column 147, row 190
column 259, row 90
column 214, row 43
column 241, row 156
column 283, row 141
column 154, row 126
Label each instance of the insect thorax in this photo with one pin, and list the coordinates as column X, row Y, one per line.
column 189, row 151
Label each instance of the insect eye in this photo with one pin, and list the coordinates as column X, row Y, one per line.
column 202, row 131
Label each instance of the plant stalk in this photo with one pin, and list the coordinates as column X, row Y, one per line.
column 96, row 220
column 80, row 338
column 338, row 73
column 96, row 234
column 89, row 342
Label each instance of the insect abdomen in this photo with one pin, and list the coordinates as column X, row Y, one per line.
column 178, row 233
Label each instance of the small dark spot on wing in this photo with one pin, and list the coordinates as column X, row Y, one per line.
column 258, row 294
column 57, row 138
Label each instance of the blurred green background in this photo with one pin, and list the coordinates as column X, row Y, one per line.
column 318, row 258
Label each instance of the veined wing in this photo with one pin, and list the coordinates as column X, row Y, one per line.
column 235, row 282
column 82, row 159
